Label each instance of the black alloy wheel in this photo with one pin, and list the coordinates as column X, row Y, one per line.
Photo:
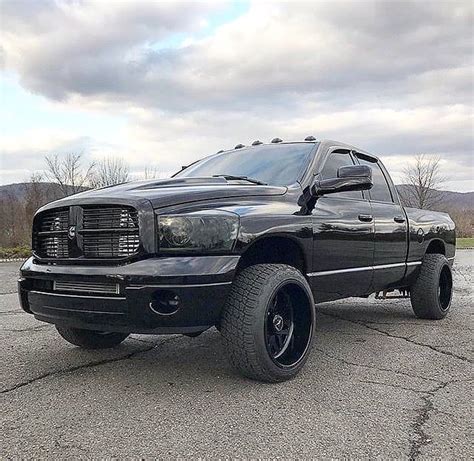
column 288, row 328
column 268, row 322
column 445, row 288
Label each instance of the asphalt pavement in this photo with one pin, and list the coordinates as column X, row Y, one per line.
column 379, row 384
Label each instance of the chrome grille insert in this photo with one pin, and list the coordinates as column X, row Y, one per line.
column 50, row 238
column 110, row 232
column 110, row 218
column 87, row 287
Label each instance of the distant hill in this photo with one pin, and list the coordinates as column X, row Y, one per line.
column 19, row 190
column 453, row 200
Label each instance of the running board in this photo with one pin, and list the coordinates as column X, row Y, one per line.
column 386, row 294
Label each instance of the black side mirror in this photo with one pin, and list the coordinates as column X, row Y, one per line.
column 352, row 177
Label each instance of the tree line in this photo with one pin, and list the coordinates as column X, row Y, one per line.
column 69, row 174
column 63, row 175
column 423, row 187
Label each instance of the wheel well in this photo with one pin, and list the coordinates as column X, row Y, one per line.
column 436, row 247
column 276, row 250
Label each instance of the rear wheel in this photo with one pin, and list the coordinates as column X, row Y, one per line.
column 88, row 339
column 432, row 291
column 268, row 322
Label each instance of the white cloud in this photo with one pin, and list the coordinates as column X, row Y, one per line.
column 392, row 77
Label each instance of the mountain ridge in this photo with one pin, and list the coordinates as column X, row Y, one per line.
column 452, row 199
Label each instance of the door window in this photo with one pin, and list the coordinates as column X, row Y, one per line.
column 333, row 163
column 380, row 191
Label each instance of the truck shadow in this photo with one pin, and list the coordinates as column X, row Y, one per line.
column 202, row 358
column 150, row 362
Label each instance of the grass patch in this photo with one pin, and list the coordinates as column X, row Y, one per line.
column 465, row 242
column 15, row 252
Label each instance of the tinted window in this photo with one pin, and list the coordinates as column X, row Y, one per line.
column 380, row 190
column 278, row 164
column 333, row 163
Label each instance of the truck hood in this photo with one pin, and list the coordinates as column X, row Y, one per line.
column 172, row 191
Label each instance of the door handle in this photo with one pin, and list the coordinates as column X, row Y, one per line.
column 399, row 219
column 366, row 217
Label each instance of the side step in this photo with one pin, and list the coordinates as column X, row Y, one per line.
column 390, row 294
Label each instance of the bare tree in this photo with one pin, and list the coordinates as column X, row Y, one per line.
column 37, row 193
column 464, row 220
column 9, row 235
column 69, row 172
column 150, row 172
column 423, row 182
column 110, row 171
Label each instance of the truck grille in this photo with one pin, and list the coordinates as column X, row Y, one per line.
column 108, row 232
column 50, row 239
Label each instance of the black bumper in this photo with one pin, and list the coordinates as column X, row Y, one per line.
column 198, row 286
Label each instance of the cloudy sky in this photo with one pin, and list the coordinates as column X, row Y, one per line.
column 164, row 83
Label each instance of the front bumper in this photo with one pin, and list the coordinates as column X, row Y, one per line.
column 201, row 284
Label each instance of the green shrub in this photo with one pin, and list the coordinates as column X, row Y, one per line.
column 15, row 252
column 465, row 242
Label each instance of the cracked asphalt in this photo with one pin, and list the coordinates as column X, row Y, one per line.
column 379, row 384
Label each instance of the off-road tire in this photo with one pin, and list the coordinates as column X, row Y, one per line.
column 88, row 339
column 431, row 293
column 243, row 323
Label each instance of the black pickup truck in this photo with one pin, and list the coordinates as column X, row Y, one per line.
column 246, row 240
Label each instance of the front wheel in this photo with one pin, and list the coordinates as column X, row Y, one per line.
column 431, row 293
column 268, row 322
column 88, row 339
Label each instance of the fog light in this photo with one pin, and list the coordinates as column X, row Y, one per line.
column 165, row 302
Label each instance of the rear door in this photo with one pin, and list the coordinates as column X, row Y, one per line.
column 343, row 245
column 390, row 227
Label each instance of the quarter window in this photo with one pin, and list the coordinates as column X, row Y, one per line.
column 380, row 191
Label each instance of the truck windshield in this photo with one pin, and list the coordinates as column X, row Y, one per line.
column 275, row 164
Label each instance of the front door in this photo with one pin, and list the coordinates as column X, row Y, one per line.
column 343, row 242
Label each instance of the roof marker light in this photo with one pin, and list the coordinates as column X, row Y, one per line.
column 239, row 146
column 310, row 138
column 257, row 143
column 220, row 152
column 276, row 140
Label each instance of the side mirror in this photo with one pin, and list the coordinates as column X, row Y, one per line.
column 352, row 177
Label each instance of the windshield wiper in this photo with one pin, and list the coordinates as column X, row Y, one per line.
column 241, row 178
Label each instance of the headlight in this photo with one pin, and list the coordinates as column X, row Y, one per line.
column 204, row 230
